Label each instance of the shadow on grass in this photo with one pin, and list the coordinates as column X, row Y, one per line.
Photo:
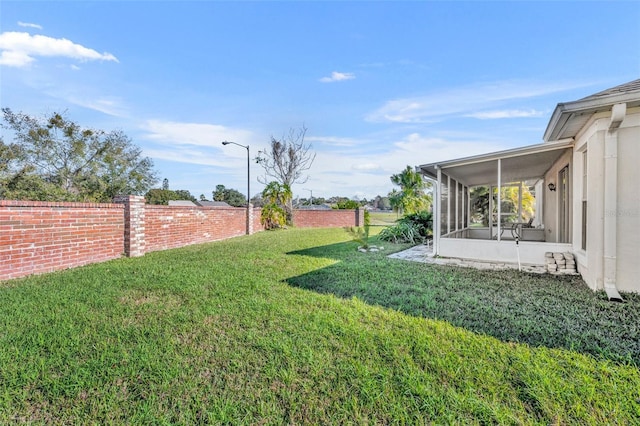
column 539, row 310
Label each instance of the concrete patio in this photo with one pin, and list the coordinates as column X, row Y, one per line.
column 424, row 253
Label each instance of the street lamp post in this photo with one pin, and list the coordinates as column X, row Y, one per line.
column 248, row 184
column 310, row 195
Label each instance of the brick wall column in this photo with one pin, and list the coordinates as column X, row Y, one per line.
column 250, row 220
column 134, row 241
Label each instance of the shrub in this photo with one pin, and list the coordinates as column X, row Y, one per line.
column 273, row 216
column 360, row 234
column 401, row 233
column 422, row 220
column 413, row 228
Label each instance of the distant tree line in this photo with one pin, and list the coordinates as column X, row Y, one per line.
column 162, row 196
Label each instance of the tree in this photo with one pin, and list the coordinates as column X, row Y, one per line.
column 257, row 200
column 381, row 203
column 184, row 194
column 509, row 197
column 479, row 196
column 232, row 197
column 346, row 204
column 54, row 159
column 275, row 196
column 286, row 161
column 163, row 196
column 411, row 198
column 165, row 183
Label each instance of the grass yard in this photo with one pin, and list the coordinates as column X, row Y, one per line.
column 383, row 218
column 296, row 327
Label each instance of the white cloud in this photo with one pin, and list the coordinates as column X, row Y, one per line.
column 19, row 49
column 109, row 106
column 367, row 173
column 509, row 113
column 29, row 25
column 338, row 76
column 196, row 134
column 462, row 101
column 12, row 58
column 332, row 141
column 366, row 167
column 186, row 156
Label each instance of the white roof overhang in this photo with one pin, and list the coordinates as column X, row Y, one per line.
column 518, row 164
column 568, row 118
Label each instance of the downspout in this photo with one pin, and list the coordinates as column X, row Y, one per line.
column 618, row 113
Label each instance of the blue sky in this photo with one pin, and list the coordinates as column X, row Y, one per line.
column 379, row 85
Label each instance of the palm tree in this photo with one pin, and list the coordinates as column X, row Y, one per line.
column 412, row 197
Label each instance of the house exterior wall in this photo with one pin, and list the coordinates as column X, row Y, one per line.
column 590, row 262
column 551, row 198
column 628, row 212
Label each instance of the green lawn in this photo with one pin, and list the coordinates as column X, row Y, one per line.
column 296, row 327
column 383, row 218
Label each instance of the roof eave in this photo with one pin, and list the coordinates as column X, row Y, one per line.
column 564, row 111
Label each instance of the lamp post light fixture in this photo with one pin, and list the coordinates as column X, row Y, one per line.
column 248, row 184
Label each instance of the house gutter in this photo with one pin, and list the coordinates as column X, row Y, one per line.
column 618, row 113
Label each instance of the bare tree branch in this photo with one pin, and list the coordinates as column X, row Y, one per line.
column 286, row 161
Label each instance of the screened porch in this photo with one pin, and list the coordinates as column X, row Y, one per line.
column 484, row 204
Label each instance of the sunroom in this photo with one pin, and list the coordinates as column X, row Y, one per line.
column 505, row 206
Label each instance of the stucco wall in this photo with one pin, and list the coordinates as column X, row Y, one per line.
column 628, row 211
column 551, row 197
column 590, row 262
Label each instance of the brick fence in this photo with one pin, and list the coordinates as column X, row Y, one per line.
column 38, row 237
